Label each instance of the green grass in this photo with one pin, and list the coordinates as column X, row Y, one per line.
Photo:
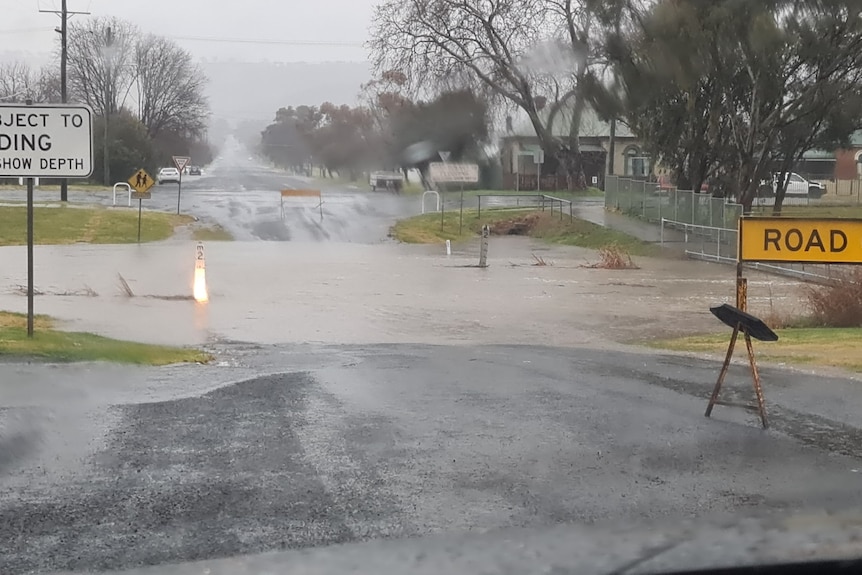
column 452, row 191
column 410, row 188
column 832, row 347
column 426, row 229
column 52, row 345
column 817, row 211
column 69, row 225
column 85, row 187
column 214, row 233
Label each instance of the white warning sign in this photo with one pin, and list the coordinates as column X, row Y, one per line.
column 46, row 141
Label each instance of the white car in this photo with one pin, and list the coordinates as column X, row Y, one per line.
column 168, row 175
column 797, row 187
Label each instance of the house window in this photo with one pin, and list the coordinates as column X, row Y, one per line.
column 637, row 164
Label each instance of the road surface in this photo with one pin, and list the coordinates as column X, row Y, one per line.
column 242, row 194
column 435, row 398
column 110, row 469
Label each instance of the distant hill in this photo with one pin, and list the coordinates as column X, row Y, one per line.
column 255, row 90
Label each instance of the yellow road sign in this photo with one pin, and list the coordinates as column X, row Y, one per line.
column 141, row 181
column 808, row 240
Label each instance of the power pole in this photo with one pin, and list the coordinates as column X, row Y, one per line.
column 108, row 102
column 64, row 15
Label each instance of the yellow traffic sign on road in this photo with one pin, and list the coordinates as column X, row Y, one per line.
column 141, row 181
column 808, row 240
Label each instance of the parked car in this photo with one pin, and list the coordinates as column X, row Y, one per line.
column 386, row 181
column 797, row 187
column 194, row 170
column 168, row 175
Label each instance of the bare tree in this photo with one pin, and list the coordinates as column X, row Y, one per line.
column 170, row 88
column 101, row 58
column 530, row 54
column 18, row 82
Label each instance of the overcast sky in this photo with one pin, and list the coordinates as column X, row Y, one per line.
column 249, row 30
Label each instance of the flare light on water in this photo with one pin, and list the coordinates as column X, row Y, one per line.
column 200, row 286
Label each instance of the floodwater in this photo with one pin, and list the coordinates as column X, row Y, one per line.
column 295, row 275
column 331, row 292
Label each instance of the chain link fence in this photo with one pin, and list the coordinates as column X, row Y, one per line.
column 651, row 202
column 703, row 226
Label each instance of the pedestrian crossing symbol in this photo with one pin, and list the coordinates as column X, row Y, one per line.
column 141, row 181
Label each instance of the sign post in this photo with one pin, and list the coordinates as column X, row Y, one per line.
column 446, row 172
column 444, row 155
column 141, row 181
column 779, row 240
column 539, row 159
column 180, row 162
column 44, row 141
column 30, row 287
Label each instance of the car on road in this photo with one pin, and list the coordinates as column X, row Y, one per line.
column 168, row 175
column 194, row 170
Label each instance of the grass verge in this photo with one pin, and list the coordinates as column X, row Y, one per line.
column 820, row 210
column 68, row 225
column 56, row 188
column 50, row 344
column 426, row 229
column 831, row 347
column 453, row 192
column 214, row 233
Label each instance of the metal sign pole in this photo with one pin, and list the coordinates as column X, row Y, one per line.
column 461, row 216
column 140, row 203
column 179, row 191
column 442, row 203
column 30, row 290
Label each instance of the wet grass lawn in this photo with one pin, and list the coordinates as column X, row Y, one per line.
column 832, row 347
column 68, row 225
column 52, row 345
column 212, row 234
column 427, row 229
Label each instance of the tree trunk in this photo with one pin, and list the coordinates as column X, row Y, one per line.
column 575, row 169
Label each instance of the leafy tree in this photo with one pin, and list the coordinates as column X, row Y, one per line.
column 346, row 141
column 130, row 145
column 456, row 122
column 732, row 90
column 288, row 140
column 529, row 54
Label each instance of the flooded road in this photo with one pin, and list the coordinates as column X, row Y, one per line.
column 294, row 292
column 243, row 195
column 364, row 389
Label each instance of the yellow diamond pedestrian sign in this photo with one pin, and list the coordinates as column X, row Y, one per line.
column 141, row 181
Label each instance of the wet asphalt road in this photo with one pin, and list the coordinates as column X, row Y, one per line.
column 282, row 448
column 241, row 194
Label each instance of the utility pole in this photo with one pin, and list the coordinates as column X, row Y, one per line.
column 108, row 100
column 64, row 57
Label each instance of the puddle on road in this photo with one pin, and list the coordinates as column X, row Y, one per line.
column 287, row 292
